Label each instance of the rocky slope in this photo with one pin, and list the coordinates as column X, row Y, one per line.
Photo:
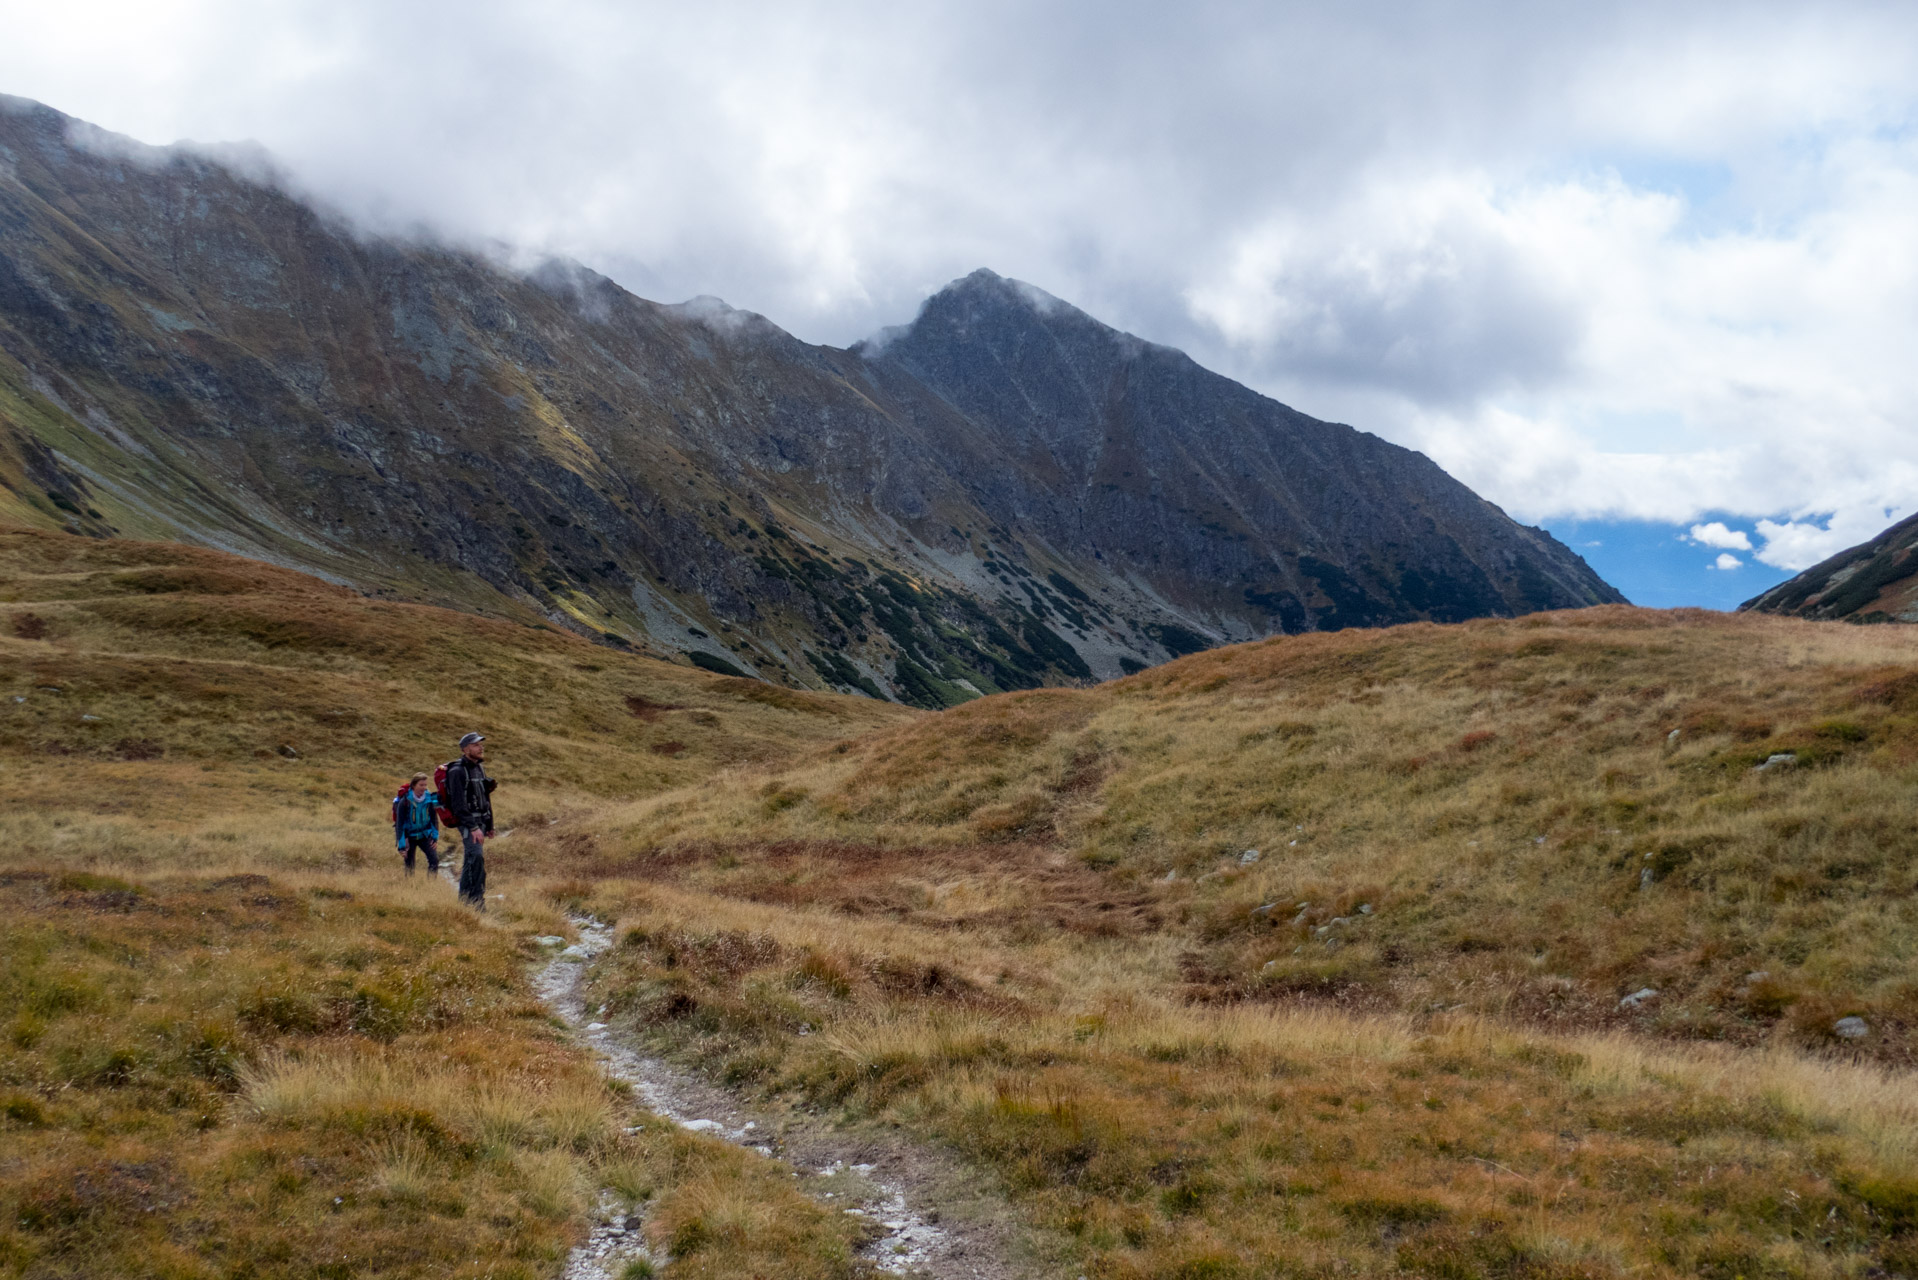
column 1004, row 494
column 1875, row 581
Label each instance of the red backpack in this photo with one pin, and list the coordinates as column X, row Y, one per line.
column 439, row 789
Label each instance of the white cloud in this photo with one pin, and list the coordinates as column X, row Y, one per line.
column 1726, row 560
column 1636, row 259
column 1716, row 534
column 1800, row 544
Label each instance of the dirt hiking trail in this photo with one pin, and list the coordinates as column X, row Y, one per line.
column 928, row 1218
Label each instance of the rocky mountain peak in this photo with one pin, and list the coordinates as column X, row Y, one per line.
column 1003, row 493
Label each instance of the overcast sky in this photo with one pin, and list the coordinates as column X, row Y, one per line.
column 1600, row 261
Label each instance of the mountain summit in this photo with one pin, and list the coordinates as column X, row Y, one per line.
column 1235, row 505
column 1002, row 494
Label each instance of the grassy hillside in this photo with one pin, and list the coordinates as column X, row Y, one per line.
column 1030, row 930
column 163, row 705
column 1398, row 1038
column 1531, row 818
column 236, row 1041
column 1875, row 581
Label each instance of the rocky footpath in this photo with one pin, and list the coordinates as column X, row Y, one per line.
column 896, row 1186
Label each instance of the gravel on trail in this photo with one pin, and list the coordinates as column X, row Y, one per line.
column 896, row 1185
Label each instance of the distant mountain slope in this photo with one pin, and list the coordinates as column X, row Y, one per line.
column 1875, row 581
column 1006, row 494
column 1235, row 503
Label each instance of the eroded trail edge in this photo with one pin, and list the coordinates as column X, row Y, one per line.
column 892, row 1183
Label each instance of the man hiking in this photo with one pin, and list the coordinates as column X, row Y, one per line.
column 416, row 823
column 468, row 796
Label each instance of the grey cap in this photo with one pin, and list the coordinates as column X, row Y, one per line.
column 470, row 739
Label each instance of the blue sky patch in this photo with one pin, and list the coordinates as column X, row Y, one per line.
column 1658, row 565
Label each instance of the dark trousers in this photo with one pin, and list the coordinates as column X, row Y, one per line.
column 473, row 870
column 432, row 847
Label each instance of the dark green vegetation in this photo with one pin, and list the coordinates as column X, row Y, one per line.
column 940, row 637
column 1007, row 494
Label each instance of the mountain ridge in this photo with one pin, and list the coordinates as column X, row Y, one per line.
column 1874, row 581
column 188, row 352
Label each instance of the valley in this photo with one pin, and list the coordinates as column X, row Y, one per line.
column 1575, row 944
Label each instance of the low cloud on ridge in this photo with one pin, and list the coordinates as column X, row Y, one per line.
column 1635, row 260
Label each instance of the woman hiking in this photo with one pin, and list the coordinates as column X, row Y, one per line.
column 416, row 823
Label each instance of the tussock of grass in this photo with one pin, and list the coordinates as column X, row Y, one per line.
column 1393, row 1040
column 236, row 1042
column 1027, row 928
column 1169, row 1138
column 244, row 1075
column 1492, row 817
column 236, row 1074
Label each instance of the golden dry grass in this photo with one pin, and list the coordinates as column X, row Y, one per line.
column 1026, row 929
column 1165, row 1138
column 1391, row 1043
column 1504, row 800
column 324, row 1076
column 147, row 691
column 238, row 1042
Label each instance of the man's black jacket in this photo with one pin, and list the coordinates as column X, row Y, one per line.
column 469, row 795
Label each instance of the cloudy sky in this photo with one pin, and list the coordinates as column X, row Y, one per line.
column 1645, row 273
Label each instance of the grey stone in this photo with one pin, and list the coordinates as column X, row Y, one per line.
column 1851, row 1028
column 1638, row 998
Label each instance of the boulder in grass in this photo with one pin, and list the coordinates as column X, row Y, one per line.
column 1851, row 1028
